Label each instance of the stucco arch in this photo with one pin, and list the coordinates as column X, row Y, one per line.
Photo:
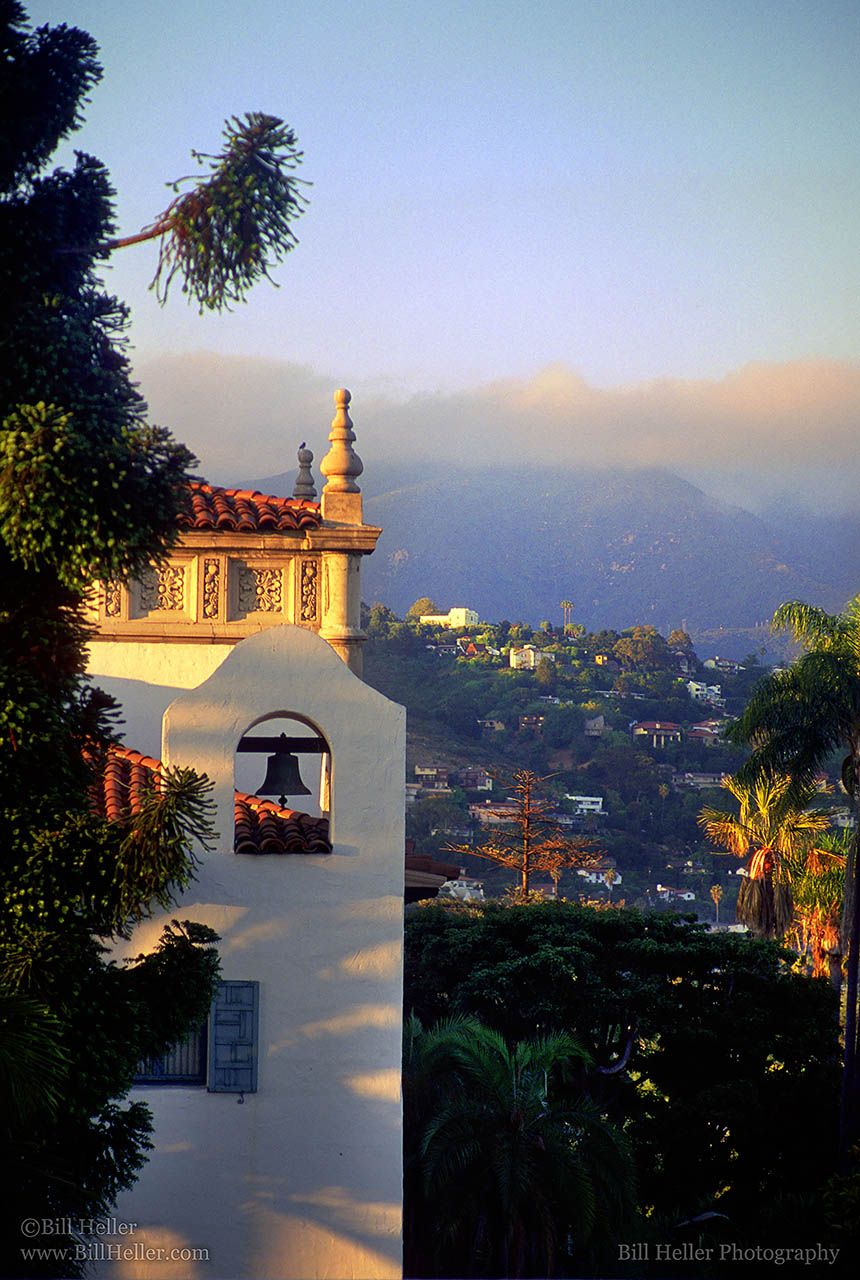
column 292, row 668
column 304, row 1180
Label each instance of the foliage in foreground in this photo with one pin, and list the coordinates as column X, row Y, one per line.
column 510, row 1167
column 795, row 720
column 773, row 830
column 90, row 490
column 707, row 1048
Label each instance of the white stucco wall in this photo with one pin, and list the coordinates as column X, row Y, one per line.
column 145, row 677
column 303, row 1179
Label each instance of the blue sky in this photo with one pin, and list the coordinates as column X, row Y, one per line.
column 633, row 190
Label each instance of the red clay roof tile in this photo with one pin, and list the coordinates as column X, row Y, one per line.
column 125, row 778
column 261, row 826
column 246, row 511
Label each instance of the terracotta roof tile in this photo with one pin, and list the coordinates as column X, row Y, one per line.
column 261, row 826
column 126, row 777
column 246, row 511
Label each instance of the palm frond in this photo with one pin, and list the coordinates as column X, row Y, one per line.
column 807, row 623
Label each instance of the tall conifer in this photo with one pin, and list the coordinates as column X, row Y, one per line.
column 89, row 490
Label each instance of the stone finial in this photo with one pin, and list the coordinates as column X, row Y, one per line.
column 341, row 465
column 304, row 486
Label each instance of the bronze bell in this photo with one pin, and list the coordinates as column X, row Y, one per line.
column 282, row 776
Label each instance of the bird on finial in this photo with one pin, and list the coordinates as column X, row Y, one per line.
column 304, row 486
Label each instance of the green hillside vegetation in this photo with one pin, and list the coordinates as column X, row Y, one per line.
column 601, row 681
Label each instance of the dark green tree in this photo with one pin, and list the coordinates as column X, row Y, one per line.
column 511, row 1170
column 795, row 720
column 89, row 490
column 706, row 1047
column 545, row 674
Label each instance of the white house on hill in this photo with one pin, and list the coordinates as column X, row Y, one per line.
column 454, row 619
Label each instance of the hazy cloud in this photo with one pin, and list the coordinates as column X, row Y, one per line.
column 762, row 431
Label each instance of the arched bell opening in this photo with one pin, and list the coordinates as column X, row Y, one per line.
column 283, row 786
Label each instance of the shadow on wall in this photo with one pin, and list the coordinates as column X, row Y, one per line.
column 302, row 1208
column 142, row 706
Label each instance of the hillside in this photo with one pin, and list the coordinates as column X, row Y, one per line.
column 625, row 546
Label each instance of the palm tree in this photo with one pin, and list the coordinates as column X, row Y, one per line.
column 773, row 825
column 33, row 1060
column 794, row 721
column 507, row 1160
column 716, row 898
column 818, row 883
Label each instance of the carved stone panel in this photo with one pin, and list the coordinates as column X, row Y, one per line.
column 211, row 589
column 113, row 598
column 162, row 589
column 260, row 590
column 309, row 591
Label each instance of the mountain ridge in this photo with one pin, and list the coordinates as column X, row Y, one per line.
column 626, row 545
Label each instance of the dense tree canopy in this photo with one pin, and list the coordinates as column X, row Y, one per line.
column 795, row 720
column 511, row 1169
column 707, row 1048
column 89, row 490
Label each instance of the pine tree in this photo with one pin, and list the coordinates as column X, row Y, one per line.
column 89, row 490
column 526, row 839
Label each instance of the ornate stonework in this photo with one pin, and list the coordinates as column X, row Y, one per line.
column 163, row 589
column 113, row 598
column 308, row 607
column 260, row 590
column 247, row 561
column 211, row 588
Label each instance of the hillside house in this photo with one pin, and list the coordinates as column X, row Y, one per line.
column 491, row 726
column 598, row 875
column 469, row 648
column 425, row 877
column 698, row 781
column 595, row 727
column 463, row 889
column 699, row 691
column 242, row 649
column 527, row 657
column 726, row 665
column 667, row 894
column 707, row 732
column 656, row 733
column 531, row 724
column 494, row 815
column 473, row 779
column 454, row 620
column 609, row 665
column 432, row 777
column 844, row 818
column 584, row 805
